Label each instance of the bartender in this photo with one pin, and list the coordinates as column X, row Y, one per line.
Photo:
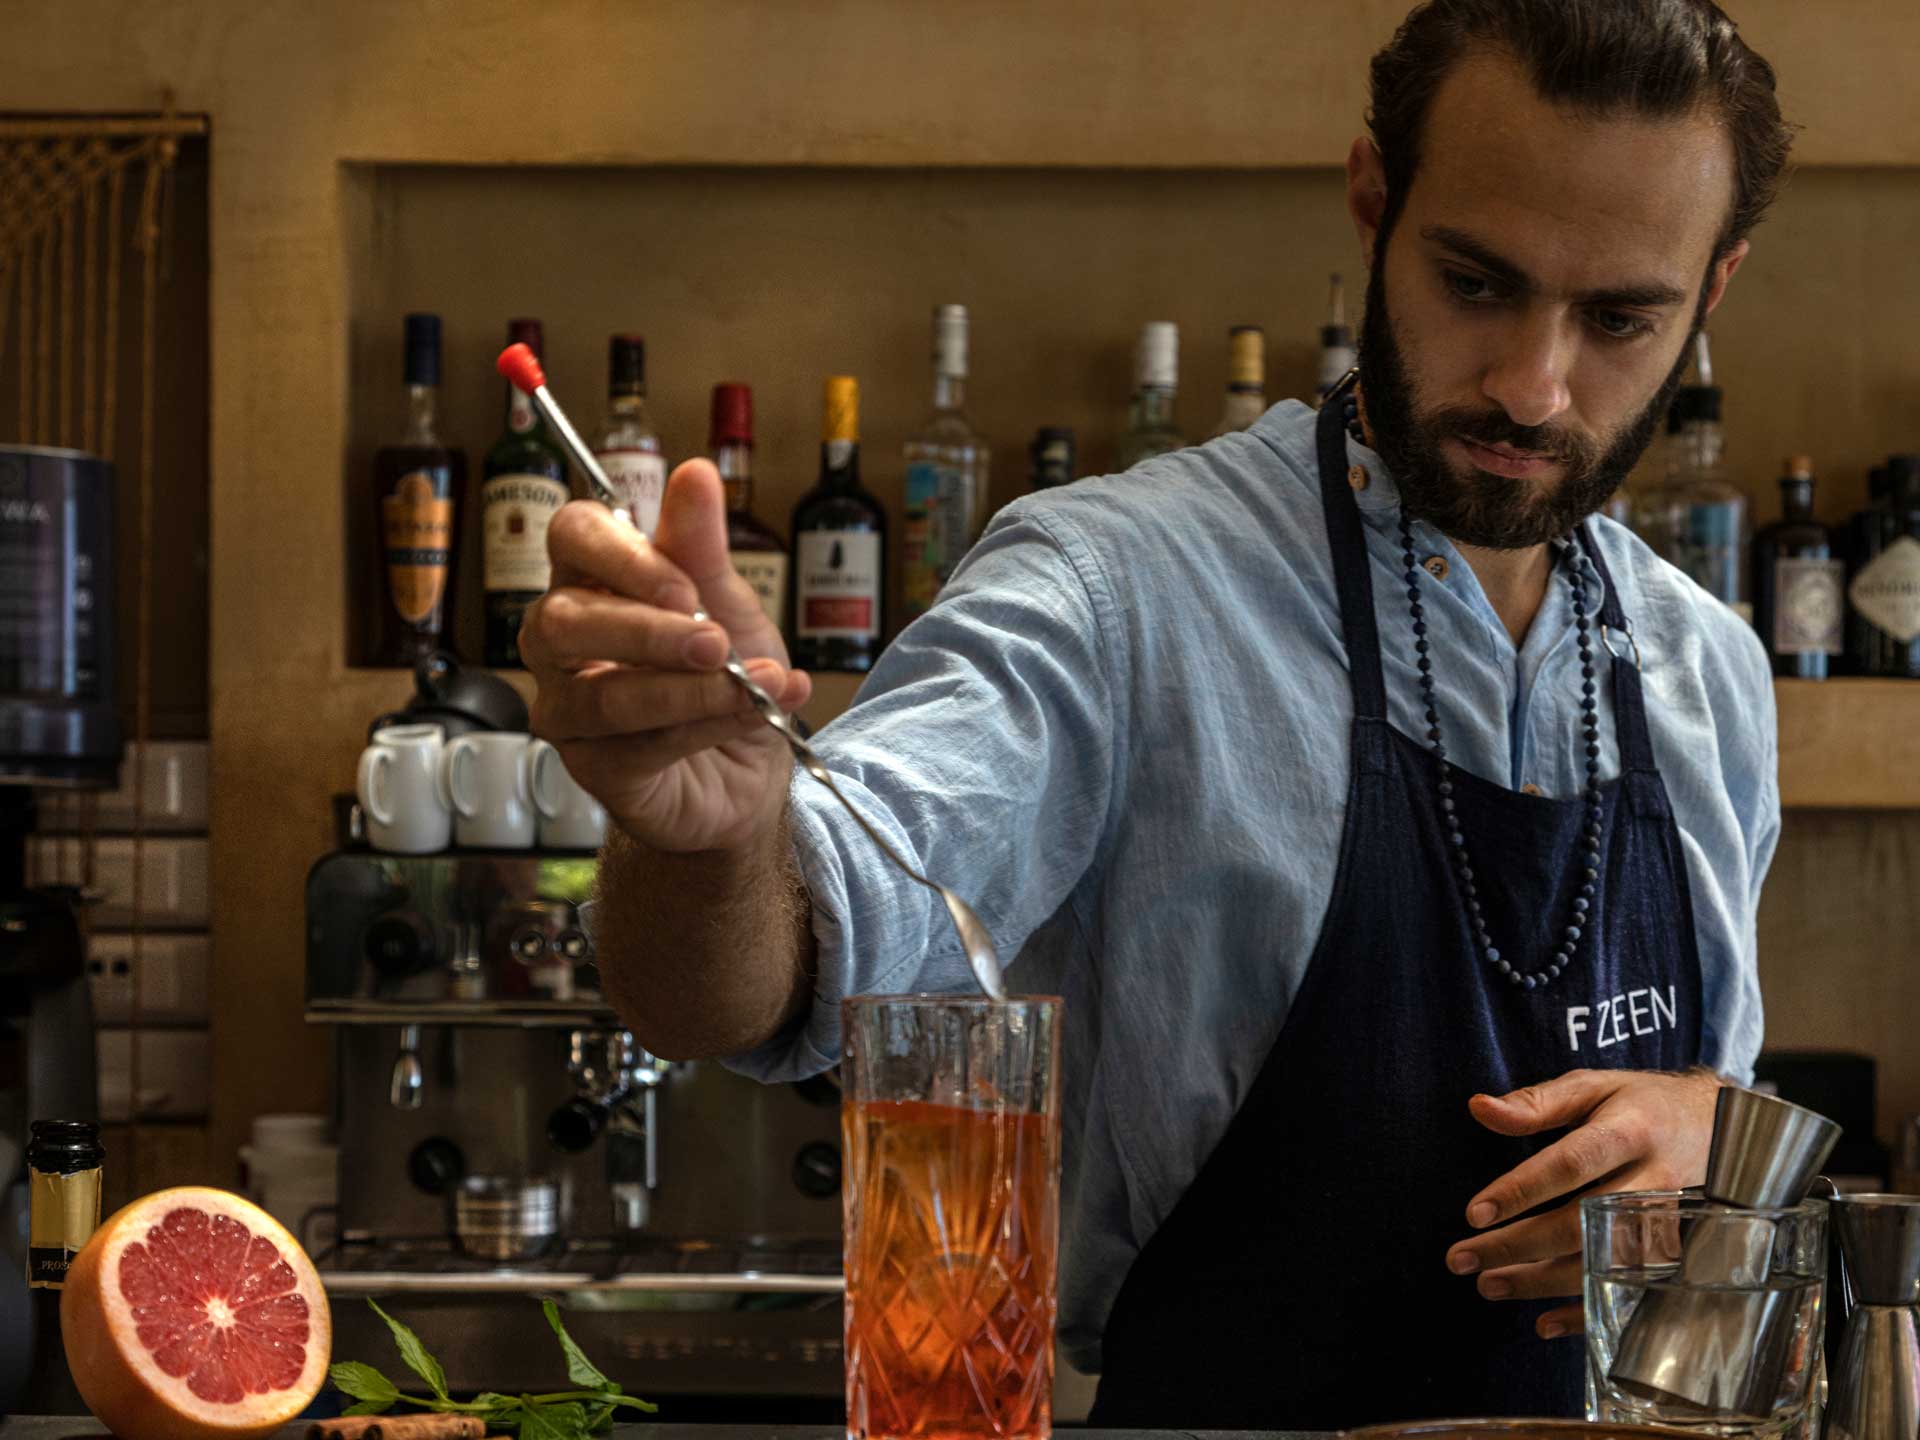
column 1392, row 824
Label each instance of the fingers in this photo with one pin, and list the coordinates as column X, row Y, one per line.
column 604, row 701
column 1563, row 1320
column 1577, row 1160
column 589, row 547
column 633, row 757
column 693, row 530
column 1542, row 1280
column 565, row 630
column 1537, row 1238
column 1566, row 1100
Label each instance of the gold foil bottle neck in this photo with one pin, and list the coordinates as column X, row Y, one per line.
column 1247, row 357
column 64, row 1211
column 842, row 418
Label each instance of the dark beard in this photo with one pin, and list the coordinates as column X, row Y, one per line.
column 1494, row 512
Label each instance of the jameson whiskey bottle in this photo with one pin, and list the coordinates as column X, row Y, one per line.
column 759, row 555
column 526, row 482
column 419, row 486
column 64, row 1161
column 839, row 549
column 629, row 450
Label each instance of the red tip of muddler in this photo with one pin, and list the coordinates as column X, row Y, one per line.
column 522, row 367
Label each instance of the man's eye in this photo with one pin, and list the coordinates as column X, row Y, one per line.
column 1469, row 287
column 1619, row 325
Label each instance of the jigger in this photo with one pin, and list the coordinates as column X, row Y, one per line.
column 1717, row 1343
column 1876, row 1375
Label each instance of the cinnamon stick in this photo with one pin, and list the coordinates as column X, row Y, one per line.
column 426, row 1426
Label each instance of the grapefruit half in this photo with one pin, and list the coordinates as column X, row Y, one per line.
column 192, row 1315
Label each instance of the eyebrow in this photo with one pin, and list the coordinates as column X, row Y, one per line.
column 1647, row 294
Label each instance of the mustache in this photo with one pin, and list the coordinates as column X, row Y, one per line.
column 1495, row 427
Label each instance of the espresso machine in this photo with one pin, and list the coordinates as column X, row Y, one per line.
column 503, row 1137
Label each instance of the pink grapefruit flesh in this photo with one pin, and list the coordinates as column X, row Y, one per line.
column 191, row 1314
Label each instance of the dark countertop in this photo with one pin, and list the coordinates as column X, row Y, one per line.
column 52, row 1427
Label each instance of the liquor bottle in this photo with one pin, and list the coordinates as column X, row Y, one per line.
column 1156, row 377
column 1799, row 602
column 525, row 483
column 1246, row 379
column 64, row 1164
column 839, row 550
column 419, row 486
column 629, row 451
column 946, row 498
column 1051, row 454
column 758, row 554
column 1695, row 518
column 1337, row 350
column 1883, row 578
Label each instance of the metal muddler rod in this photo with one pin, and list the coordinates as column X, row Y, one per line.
column 522, row 369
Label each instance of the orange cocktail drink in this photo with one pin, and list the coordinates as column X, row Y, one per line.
column 952, row 1148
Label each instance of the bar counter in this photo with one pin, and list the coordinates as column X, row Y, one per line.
column 81, row 1427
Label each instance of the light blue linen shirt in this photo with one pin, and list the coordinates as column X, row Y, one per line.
column 1122, row 733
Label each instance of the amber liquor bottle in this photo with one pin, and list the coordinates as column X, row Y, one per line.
column 839, row 550
column 525, row 485
column 419, row 486
column 758, row 554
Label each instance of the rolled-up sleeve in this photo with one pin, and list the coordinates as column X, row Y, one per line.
column 983, row 747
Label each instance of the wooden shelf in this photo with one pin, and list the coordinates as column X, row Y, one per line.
column 1849, row 744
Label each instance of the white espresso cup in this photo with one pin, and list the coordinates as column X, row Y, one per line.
column 570, row 818
column 490, row 782
column 402, row 797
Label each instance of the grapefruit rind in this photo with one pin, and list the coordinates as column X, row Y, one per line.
column 120, row 1378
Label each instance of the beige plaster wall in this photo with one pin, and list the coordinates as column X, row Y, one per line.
column 296, row 88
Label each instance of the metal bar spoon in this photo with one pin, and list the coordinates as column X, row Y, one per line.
column 521, row 367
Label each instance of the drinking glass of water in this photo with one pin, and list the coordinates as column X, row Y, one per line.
column 1702, row 1315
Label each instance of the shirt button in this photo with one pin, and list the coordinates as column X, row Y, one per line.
column 1531, row 789
column 1436, row 566
column 1357, row 476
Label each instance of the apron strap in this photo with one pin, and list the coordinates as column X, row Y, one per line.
column 1616, row 634
column 1352, row 581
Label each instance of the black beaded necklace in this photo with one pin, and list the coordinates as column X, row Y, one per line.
column 1570, row 557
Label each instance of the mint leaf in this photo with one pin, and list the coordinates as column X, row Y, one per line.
column 580, row 1370
column 368, row 1407
column 552, row 1422
column 363, row 1382
column 418, row 1358
column 600, row 1418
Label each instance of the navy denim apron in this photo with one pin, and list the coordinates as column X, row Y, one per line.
column 1301, row 1280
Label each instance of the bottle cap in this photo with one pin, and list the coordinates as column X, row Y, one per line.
column 423, row 348
column 1799, row 467
column 950, row 341
column 1247, row 357
column 1156, row 358
column 842, row 416
column 627, row 365
column 527, row 333
column 731, row 420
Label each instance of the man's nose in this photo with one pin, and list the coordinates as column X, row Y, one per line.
column 1528, row 379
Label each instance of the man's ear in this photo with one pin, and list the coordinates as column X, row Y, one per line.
column 1366, row 193
column 1723, row 269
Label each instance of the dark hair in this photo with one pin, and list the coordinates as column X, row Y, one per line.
column 1644, row 57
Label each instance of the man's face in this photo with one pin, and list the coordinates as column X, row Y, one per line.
column 1528, row 317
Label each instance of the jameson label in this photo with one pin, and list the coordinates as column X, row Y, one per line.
column 1808, row 611
column 416, row 525
column 65, row 1211
column 766, row 572
column 837, row 585
column 1887, row 592
column 640, row 480
column 515, row 511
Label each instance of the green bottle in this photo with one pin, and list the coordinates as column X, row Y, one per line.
column 525, row 483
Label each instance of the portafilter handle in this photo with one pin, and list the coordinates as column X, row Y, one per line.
column 408, row 1078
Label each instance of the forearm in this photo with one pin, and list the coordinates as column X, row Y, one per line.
column 704, row 954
